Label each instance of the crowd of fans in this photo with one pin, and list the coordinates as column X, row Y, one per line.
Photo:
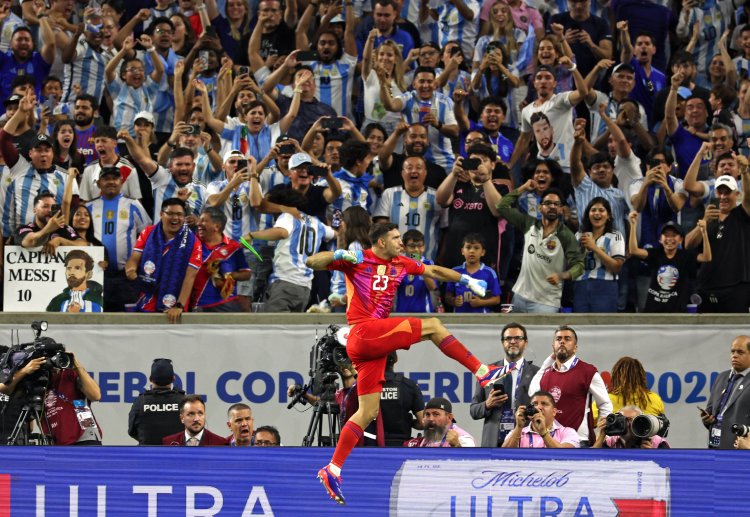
column 591, row 159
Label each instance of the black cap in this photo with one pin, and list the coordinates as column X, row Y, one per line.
column 545, row 68
column 109, row 171
column 440, row 403
column 162, row 372
column 41, row 140
column 673, row 226
column 13, row 99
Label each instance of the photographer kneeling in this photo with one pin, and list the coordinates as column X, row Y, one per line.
column 618, row 431
column 537, row 428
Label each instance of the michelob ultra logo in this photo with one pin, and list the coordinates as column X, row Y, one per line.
column 495, row 488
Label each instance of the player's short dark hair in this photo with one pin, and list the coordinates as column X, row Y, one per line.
column 424, row 69
column 158, row 21
column 239, row 406
column 352, row 152
column 173, row 201
column 43, row 195
column 412, row 235
column 546, row 394
column 271, row 430
column 601, row 158
column 254, row 104
column 556, row 191
column 380, row 229
column 384, row 3
column 22, row 28
column 22, row 80
column 725, row 94
column 372, row 126
column 493, row 101
column 86, row 97
column 105, row 132
column 644, row 34
column 216, row 215
column 569, row 328
column 80, row 255
column 483, row 150
column 725, row 156
column 51, row 79
column 179, row 152
column 474, row 238
column 514, row 325
column 190, row 398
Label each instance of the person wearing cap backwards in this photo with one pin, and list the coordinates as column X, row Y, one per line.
column 117, row 221
column 557, row 106
column 541, row 430
column 27, row 179
column 724, row 283
column 440, row 429
column 156, row 412
column 105, row 143
column 670, row 265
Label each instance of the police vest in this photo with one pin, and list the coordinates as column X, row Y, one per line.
column 395, row 407
column 159, row 416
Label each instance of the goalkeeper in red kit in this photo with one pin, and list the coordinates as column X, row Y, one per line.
column 372, row 280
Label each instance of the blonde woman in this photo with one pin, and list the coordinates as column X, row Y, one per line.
column 503, row 31
column 386, row 58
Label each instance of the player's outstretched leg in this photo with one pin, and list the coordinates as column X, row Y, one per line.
column 434, row 329
column 351, row 432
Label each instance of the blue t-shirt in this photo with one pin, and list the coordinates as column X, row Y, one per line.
column 10, row 68
column 646, row 88
column 503, row 147
column 686, row 146
column 413, row 294
column 485, row 273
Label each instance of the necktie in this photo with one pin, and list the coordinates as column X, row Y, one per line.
column 192, row 442
column 728, row 392
column 508, row 383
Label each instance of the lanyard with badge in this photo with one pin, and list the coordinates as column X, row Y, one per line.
column 83, row 412
column 714, row 441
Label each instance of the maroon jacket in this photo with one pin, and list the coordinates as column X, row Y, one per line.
column 207, row 440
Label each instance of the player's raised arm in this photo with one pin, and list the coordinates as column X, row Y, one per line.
column 321, row 260
column 478, row 287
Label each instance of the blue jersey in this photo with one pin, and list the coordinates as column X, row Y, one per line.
column 413, row 294
column 36, row 67
column 485, row 273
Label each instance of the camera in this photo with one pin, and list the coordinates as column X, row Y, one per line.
column 741, row 430
column 617, row 425
column 327, row 358
column 647, row 426
column 530, row 412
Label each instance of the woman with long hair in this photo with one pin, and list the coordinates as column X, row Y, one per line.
column 386, row 60
column 628, row 387
column 597, row 289
column 232, row 28
column 497, row 77
column 183, row 38
column 503, row 31
column 353, row 234
column 66, row 153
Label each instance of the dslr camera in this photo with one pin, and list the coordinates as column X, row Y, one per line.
column 530, row 412
column 740, row 430
column 617, row 425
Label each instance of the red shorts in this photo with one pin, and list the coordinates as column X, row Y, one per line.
column 369, row 344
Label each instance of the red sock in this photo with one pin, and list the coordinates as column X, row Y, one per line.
column 350, row 435
column 453, row 348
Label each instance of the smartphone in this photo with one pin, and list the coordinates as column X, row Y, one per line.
column 210, row 31
column 241, row 164
column 243, row 70
column 336, row 220
column 287, row 149
column 307, row 55
column 712, row 202
column 455, row 50
column 54, row 209
column 498, row 387
column 315, row 170
column 491, row 46
column 470, row 164
column 50, row 103
column 194, row 129
column 331, row 123
column 203, row 56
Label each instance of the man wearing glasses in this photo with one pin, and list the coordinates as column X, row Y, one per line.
column 497, row 403
column 548, row 246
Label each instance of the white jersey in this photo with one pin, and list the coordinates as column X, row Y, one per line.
column 86, row 69
column 334, row 83
column 613, row 244
column 559, row 111
column 598, row 126
column 421, row 213
column 130, row 186
column 305, row 238
column 714, row 17
column 241, row 218
column 454, row 27
column 440, row 106
column 22, row 183
column 166, row 187
column 117, row 223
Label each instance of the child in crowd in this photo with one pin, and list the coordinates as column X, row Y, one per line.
column 462, row 298
column 414, row 293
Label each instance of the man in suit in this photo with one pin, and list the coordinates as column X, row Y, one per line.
column 497, row 407
column 729, row 402
column 193, row 417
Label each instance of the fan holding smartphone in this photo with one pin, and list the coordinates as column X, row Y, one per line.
column 497, row 402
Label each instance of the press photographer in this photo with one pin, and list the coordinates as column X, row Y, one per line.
column 630, row 428
column 537, row 428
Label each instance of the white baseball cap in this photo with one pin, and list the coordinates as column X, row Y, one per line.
column 234, row 153
column 726, row 181
column 145, row 115
column 299, row 159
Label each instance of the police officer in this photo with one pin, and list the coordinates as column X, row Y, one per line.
column 156, row 412
column 401, row 404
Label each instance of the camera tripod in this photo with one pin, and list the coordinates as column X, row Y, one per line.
column 325, row 405
column 31, row 412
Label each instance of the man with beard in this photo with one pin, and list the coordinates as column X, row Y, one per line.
column 117, row 221
column 84, row 109
column 27, row 179
column 240, row 422
column 215, row 287
column 47, row 227
column 541, row 430
column 574, row 385
column 105, row 144
column 385, row 18
column 195, row 434
column 277, row 36
column 497, row 406
column 82, row 293
column 549, row 246
column 22, row 59
column 85, row 60
column 546, row 147
column 416, row 143
column 491, row 116
column 440, row 429
column 684, row 139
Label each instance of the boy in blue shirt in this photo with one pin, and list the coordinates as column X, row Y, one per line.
column 458, row 295
column 414, row 292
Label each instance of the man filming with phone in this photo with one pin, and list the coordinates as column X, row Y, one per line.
column 536, row 427
column 48, row 228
